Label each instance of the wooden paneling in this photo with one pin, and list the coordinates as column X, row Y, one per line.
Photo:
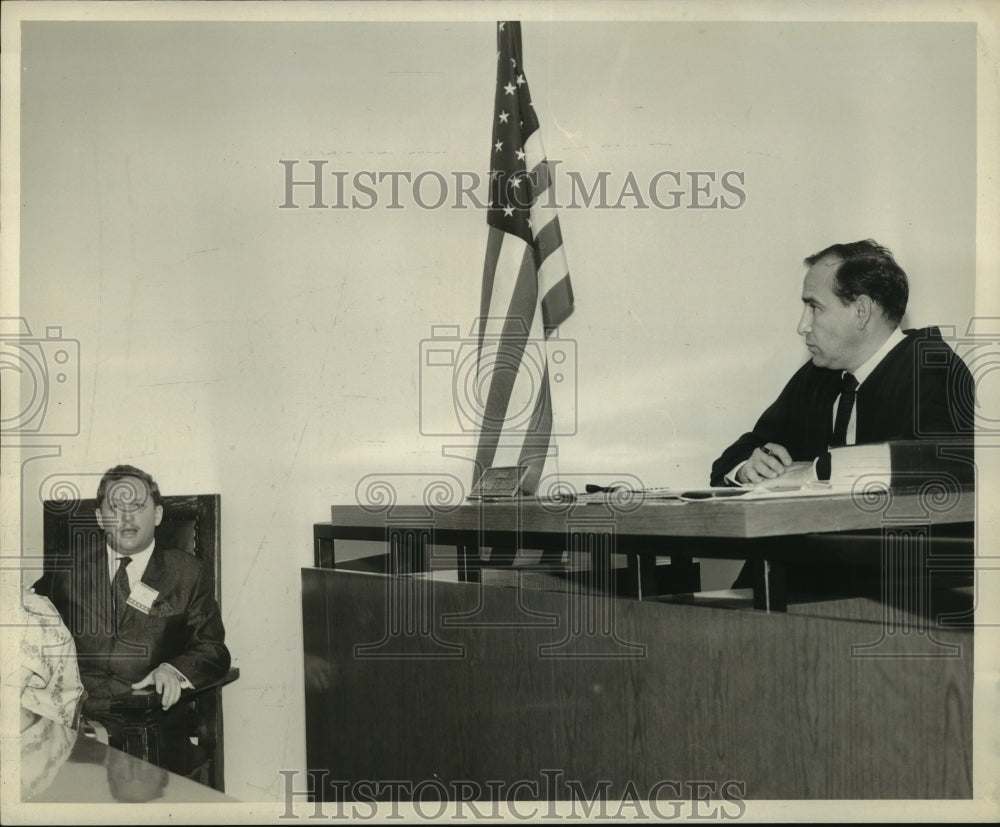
column 453, row 681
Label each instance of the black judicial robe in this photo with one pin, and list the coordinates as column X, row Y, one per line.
column 920, row 390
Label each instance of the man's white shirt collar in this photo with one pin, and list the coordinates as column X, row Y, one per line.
column 863, row 373
column 866, row 369
column 136, row 568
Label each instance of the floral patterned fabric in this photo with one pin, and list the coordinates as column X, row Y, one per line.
column 49, row 677
column 45, row 746
column 51, row 692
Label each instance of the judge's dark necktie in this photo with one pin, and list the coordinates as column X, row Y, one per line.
column 848, row 393
column 120, row 589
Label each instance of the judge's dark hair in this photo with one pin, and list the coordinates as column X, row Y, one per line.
column 121, row 472
column 868, row 269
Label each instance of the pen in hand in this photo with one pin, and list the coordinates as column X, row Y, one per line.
column 777, row 456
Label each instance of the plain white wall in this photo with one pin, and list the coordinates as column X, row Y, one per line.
column 273, row 355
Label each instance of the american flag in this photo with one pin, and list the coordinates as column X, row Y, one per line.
column 526, row 286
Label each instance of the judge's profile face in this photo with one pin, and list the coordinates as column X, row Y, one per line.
column 129, row 516
column 828, row 326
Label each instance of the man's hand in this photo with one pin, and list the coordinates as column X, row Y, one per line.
column 765, row 463
column 797, row 475
column 167, row 684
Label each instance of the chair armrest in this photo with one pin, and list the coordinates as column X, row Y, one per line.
column 148, row 698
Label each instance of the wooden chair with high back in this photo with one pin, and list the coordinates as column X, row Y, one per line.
column 192, row 524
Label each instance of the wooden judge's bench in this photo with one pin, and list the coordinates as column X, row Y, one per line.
column 429, row 666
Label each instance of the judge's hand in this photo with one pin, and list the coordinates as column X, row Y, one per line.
column 166, row 682
column 766, row 463
column 797, row 475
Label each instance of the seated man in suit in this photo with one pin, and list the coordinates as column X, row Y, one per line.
column 140, row 615
column 867, row 381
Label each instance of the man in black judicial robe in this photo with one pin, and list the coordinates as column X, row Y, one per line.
column 894, row 385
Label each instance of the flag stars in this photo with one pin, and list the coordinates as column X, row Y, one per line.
column 520, row 155
column 508, row 211
column 520, row 80
column 504, row 116
column 498, row 146
column 509, row 89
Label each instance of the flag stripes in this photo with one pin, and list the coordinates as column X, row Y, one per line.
column 526, row 289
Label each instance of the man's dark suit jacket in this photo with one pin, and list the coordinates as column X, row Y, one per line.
column 183, row 627
column 920, row 390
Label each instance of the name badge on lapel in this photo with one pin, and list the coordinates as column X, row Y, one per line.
column 142, row 597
